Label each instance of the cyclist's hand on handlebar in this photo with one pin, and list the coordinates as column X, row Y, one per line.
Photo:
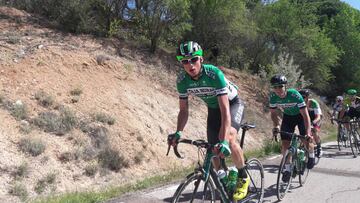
column 222, row 149
column 309, row 137
column 174, row 138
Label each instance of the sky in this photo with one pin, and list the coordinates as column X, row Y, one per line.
column 353, row 3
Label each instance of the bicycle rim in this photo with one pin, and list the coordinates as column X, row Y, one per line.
column 283, row 187
column 255, row 172
column 193, row 189
column 304, row 171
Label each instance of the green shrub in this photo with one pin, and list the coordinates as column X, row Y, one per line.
column 104, row 118
column 44, row 99
column 76, row 92
column 19, row 190
column 99, row 137
column 91, row 170
column 139, row 157
column 44, row 182
column 109, row 158
column 32, row 146
column 21, row 171
column 19, row 111
column 54, row 123
column 66, row 157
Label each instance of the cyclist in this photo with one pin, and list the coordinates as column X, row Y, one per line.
column 225, row 108
column 294, row 114
column 315, row 118
column 352, row 107
column 337, row 107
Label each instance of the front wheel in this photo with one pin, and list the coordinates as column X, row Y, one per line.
column 255, row 171
column 353, row 145
column 283, row 186
column 195, row 189
column 303, row 170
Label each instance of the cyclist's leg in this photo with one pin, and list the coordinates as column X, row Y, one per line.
column 287, row 125
column 309, row 144
column 237, row 114
column 212, row 131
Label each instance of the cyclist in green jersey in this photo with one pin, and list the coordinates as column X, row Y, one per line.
column 295, row 113
column 225, row 109
column 315, row 118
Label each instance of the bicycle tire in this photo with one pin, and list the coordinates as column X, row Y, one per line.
column 304, row 171
column 352, row 144
column 255, row 172
column 355, row 135
column 282, row 187
column 357, row 140
column 188, row 192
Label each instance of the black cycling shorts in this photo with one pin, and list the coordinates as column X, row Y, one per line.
column 289, row 123
column 214, row 119
column 353, row 113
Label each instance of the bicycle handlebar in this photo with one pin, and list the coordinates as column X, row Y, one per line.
column 198, row 143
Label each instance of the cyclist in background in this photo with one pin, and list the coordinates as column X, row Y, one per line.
column 337, row 107
column 352, row 107
column 315, row 119
column 225, row 108
column 294, row 114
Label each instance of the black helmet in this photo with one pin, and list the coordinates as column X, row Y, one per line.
column 304, row 92
column 278, row 80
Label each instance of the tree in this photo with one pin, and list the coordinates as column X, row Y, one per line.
column 160, row 18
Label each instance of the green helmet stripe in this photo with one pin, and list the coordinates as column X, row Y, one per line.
column 190, row 44
column 182, row 49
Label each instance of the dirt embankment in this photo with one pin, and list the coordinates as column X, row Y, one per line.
column 119, row 98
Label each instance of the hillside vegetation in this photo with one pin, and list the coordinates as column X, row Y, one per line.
column 83, row 113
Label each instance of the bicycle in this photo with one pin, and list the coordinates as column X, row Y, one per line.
column 317, row 158
column 354, row 137
column 342, row 136
column 206, row 178
column 297, row 165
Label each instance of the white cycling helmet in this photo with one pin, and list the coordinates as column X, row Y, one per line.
column 339, row 98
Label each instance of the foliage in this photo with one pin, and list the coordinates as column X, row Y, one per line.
column 32, row 146
column 285, row 66
column 109, row 158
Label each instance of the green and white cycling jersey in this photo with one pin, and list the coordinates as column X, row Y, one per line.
column 211, row 83
column 290, row 105
column 314, row 106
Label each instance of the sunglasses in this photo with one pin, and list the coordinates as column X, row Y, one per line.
column 192, row 60
column 278, row 86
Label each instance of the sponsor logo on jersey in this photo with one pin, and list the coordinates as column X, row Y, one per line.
column 202, row 91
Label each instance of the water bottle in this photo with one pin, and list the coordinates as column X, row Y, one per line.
column 301, row 155
column 232, row 179
column 223, row 177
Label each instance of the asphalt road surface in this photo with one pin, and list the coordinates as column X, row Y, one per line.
column 335, row 179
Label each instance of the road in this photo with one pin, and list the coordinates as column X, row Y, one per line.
column 335, row 179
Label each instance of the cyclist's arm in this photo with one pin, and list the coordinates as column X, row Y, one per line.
column 305, row 114
column 225, row 117
column 183, row 114
column 275, row 117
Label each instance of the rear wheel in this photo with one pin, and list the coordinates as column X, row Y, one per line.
column 255, row 172
column 195, row 189
column 281, row 186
